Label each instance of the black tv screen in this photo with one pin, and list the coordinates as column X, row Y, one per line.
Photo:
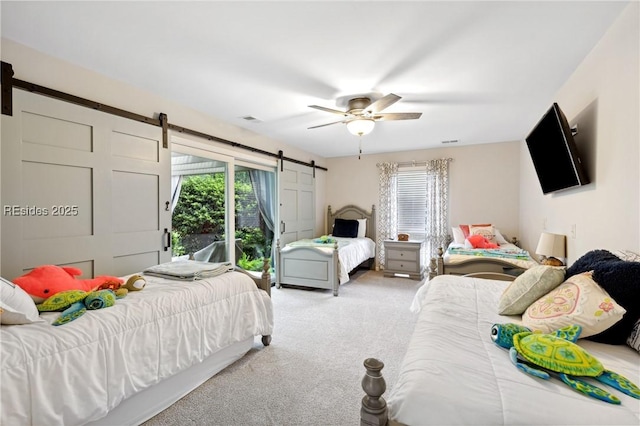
column 554, row 153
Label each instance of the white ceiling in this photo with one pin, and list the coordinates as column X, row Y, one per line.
column 478, row 71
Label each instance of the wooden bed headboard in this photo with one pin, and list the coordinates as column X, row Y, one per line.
column 354, row 212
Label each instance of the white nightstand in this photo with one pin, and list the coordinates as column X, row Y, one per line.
column 404, row 258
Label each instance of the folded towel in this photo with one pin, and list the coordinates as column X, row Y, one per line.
column 189, row 270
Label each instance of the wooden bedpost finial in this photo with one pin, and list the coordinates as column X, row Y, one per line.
column 374, row 407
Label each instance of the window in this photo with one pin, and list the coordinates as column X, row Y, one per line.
column 412, row 202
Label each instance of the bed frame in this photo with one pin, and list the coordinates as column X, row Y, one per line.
column 319, row 268
column 144, row 405
column 373, row 407
column 471, row 266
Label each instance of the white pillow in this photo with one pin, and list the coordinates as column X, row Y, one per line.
column 362, row 228
column 578, row 300
column 458, row 235
column 16, row 305
column 499, row 238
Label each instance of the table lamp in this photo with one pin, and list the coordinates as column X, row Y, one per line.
column 550, row 247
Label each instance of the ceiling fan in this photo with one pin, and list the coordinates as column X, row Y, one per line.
column 362, row 113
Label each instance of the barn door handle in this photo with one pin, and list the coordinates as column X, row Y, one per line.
column 168, row 241
column 283, row 227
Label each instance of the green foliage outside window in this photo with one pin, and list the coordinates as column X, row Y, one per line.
column 199, row 217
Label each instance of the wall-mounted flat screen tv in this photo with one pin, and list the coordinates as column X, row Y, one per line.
column 554, row 153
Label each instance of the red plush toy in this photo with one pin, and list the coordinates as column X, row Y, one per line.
column 478, row 241
column 44, row 281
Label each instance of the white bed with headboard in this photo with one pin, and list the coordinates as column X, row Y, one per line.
column 462, row 257
column 327, row 266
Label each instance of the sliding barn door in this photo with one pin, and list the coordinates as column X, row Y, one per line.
column 81, row 188
column 297, row 202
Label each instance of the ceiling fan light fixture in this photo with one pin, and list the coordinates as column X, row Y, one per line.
column 360, row 126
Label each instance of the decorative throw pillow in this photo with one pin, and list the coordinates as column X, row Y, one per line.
column 578, row 300
column 627, row 255
column 589, row 261
column 621, row 280
column 486, row 231
column 345, row 228
column 362, row 228
column 16, row 305
column 465, row 228
column 634, row 338
column 528, row 287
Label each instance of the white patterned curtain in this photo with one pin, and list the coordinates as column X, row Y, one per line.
column 437, row 223
column 387, row 206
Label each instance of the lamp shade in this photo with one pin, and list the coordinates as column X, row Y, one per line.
column 551, row 245
column 360, row 126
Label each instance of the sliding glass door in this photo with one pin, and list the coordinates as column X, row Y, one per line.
column 255, row 215
column 223, row 209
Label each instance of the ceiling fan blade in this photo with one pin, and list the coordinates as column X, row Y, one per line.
column 382, row 103
column 333, row 111
column 389, row 116
column 327, row 124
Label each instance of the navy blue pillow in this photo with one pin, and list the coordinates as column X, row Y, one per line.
column 345, row 228
column 621, row 280
column 590, row 261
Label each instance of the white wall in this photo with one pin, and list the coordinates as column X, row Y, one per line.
column 483, row 181
column 603, row 98
column 36, row 67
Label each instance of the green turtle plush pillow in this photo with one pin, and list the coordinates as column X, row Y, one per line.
column 529, row 287
column 579, row 300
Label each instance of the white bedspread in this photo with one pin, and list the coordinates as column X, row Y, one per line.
column 454, row 374
column 353, row 254
column 77, row 372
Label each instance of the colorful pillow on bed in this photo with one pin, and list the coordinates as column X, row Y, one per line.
column 486, row 231
column 345, row 228
column 466, row 231
column 16, row 306
column 578, row 300
column 459, row 236
column 528, row 287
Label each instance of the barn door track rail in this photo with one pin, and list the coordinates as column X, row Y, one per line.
column 9, row 82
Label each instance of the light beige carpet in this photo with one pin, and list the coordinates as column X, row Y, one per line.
column 311, row 372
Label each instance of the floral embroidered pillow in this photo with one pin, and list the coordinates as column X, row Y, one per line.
column 578, row 300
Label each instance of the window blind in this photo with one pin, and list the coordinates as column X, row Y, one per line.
column 412, row 202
